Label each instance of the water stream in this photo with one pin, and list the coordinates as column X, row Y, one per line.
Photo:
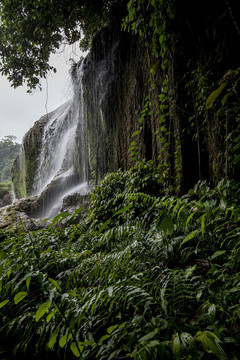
column 63, row 163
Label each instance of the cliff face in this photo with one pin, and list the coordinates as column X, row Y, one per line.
column 26, row 162
column 120, row 113
column 109, row 94
column 115, row 80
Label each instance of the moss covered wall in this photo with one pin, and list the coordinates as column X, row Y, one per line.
column 26, row 162
column 176, row 131
column 135, row 107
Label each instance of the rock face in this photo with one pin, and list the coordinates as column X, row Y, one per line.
column 18, row 216
column 6, row 200
column 90, row 135
column 110, row 113
column 115, row 78
column 25, row 164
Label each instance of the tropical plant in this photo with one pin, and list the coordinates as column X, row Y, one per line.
column 146, row 275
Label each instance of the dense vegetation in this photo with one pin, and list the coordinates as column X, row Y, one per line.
column 8, row 151
column 31, row 30
column 146, row 275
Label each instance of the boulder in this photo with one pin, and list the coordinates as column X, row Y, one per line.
column 17, row 216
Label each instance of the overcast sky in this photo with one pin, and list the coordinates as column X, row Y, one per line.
column 19, row 110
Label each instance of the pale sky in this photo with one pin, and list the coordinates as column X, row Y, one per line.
column 19, row 110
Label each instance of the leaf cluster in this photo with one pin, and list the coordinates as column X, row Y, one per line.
column 31, row 30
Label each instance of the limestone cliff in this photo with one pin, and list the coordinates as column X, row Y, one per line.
column 115, row 86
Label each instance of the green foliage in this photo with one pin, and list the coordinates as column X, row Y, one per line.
column 159, row 280
column 31, row 30
column 227, row 105
column 8, row 151
column 5, row 188
column 150, row 20
column 230, row 78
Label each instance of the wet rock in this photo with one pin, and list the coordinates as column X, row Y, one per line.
column 73, row 202
column 17, row 216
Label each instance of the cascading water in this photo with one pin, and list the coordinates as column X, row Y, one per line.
column 62, row 163
column 56, row 141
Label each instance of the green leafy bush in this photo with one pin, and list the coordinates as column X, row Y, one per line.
column 5, row 188
column 145, row 276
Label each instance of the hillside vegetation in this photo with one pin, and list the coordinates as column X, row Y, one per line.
column 8, row 151
column 146, row 275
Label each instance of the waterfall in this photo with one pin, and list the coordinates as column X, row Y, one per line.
column 56, row 145
column 62, row 162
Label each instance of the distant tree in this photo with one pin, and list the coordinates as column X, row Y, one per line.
column 30, row 30
column 8, row 151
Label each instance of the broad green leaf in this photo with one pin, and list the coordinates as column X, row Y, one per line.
column 42, row 310
column 111, row 329
column 104, row 337
column 176, row 346
column 218, row 253
column 89, row 342
column 135, row 133
column 3, row 303
column 76, row 212
column 187, row 339
column 28, row 279
column 64, row 340
column 189, row 218
column 223, row 203
column 122, row 325
column 59, row 217
column 104, row 225
column 210, row 342
column 189, row 237
column 9, row 272
column 225, row 99
column 149, row 335
column 212, row 311
column 180, row 210
column 72, row 293
column 20, row 296
column 212, row 97
column 75, row 349
column 153, row 343
column 54, row 282
column 199, row 295
column 51, row 315
column 53, row 338
column 123, row 210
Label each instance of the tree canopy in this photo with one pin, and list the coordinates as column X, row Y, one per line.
column 30, row 30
